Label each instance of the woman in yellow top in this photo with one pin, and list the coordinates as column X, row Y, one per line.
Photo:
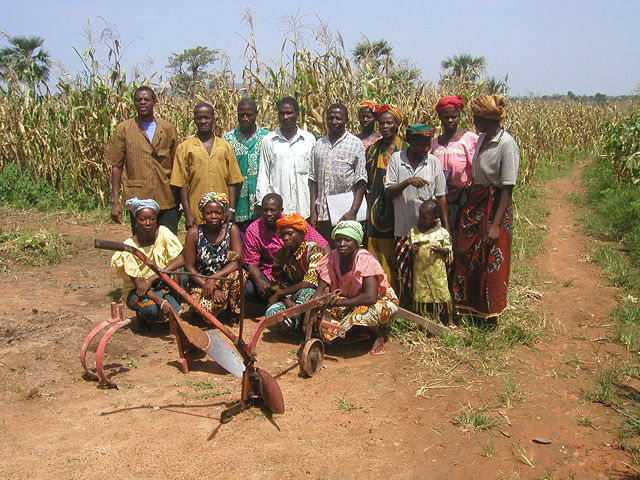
column 145, row 293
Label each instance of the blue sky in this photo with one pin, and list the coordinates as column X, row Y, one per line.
column 545, row 46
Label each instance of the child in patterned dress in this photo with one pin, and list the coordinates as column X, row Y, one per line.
column 431, row 248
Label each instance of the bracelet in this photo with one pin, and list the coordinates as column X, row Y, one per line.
column 162, row 304
column 232, row 210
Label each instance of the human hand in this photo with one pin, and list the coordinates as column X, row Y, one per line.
column 142, row 287
column 116, row 214
column 218, row 297
column 230, row 216
column 288, row 303
column 189, row 222
column 209, row 288
column 262, row 287
column 493, row 233
column 350, row 215
column 417, row 182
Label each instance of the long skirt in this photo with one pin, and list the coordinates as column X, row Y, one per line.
column 293, row 324
column 230, row 290
column 481, row 270
column 364, row 315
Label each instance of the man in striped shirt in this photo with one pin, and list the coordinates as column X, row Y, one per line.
column 141, row 157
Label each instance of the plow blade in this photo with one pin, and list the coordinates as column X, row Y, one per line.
column 270, row 392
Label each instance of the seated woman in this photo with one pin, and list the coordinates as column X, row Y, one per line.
column 145, row 293
column 215, row 250
column 368, row 300
column 294, row 272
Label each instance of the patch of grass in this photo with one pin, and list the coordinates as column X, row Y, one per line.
column 511, row 395
column 345, row 405
column 26, row 247
column 520, row 453
column 585, row 421
column 212, row 394
column 489, row 450
column 204, row 385
column 476, row 419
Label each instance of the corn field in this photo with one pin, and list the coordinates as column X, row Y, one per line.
column 61, row 136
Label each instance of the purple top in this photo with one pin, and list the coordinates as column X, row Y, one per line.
column 261, row 245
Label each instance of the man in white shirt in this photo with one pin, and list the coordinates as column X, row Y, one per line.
column 285, row 160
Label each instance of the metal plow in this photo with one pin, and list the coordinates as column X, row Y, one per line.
column 229, row 350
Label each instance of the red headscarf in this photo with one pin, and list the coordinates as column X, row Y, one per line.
column 393, row 110
column 450, row 102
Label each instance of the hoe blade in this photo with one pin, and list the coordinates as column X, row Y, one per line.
column 271, row 393
column 213, row 345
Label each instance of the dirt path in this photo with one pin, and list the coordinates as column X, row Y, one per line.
column 359, row 418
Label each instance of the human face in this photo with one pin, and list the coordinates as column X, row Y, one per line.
column 449, row 118
column 345, row 246
column 287, row 116
column 426, row 218
column 291, row 237
column 336, row 121
column 366, row 118
column 271, row 212
column 247, row 115
column 146, row 220
column 419, row 145
column 203, row 118
column 144, row 103
column 213, row 214
column 387, row 125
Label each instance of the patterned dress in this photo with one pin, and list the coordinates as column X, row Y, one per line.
column 291, row 268
column 351, row 284
column 211, row 258
column 430, row 268
column 381, row 243
column 248, row 155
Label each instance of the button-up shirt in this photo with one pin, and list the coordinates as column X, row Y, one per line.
column 407, row 204
column 284, row 169
column 497, row 164
column 146, row 164
column 336, row 168
column 204, row 172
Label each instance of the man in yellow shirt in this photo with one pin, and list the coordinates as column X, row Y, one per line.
column 205, row 163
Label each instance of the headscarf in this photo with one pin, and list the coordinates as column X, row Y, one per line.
column 219, row 198
column 349, row 228
column 371, row 105
column 135, row 205
column 293, row 220
column 450, row 102
column 488, row 106
column 420, row 129
column 392, row 110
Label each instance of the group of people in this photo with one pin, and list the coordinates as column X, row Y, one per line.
column 434, row 211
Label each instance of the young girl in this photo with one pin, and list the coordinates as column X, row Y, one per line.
column 432, row 250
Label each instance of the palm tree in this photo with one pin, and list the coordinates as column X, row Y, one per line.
column 464, row 67
column 373, row 55
column 25, row 61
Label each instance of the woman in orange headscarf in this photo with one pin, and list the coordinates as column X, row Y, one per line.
column 482, row 251
column 367, row 117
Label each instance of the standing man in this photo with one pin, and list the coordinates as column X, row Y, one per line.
column 338, row 166
column 285, row 159
column 141, row 157
column 246, row 140
column 205, row 163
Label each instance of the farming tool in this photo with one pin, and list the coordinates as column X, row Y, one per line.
column 235, row 355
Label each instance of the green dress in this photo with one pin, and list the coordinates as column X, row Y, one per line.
column 248, row 155
column 429, row 268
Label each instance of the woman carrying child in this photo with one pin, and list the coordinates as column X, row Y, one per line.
column 431, row 248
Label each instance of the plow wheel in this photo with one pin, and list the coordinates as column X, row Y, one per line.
column 311, row 357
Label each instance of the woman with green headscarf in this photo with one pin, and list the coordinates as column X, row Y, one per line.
column 367, row 298
column 413, row 176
